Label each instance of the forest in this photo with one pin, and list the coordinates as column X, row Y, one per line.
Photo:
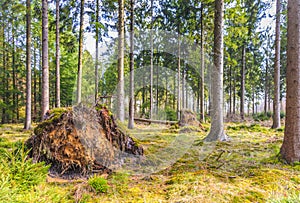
column 150, row 101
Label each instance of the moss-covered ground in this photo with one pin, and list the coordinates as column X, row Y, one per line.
column 245, row 169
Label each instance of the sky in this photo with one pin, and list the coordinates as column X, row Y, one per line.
column 89, row 41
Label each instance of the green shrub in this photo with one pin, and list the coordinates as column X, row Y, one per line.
column 262, row 116
column 21, row 171
column 99, row 184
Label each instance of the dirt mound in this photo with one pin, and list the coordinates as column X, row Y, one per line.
column 80, row 141
column 189, row 118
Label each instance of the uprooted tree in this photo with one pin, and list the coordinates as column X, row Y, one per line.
column 81, row 141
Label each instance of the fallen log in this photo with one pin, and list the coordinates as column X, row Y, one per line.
column 149, row 121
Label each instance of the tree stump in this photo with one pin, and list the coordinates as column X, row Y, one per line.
column 80, row 141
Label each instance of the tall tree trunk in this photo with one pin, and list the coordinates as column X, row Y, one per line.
column 34, row 84
column 131, row 96
column 290, row 149
column 80, row 53
column 217, row 125
column 183, row 88
column 45, row 65
column 151, row 63
column 27, row 124
column 202, row 110
column 121, row 93
column 97, row 51
column 178, row 79
column 4, row 73
column 14, row 76
column 243, row 70
column 276, row 101
column 234, row 92
column 266, row 87
column 57, row 84
column 230, row 90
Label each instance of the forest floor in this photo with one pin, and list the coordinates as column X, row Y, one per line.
column 245, row 169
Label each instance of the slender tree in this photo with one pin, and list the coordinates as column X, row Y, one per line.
column 120, row 96
column 290, row 149
column 151, row 63
column 27, row 124
column 45, row 65
column 80, row 53
column 97, row 51
column 217, row 125
column 276, row 101
column 57, row 84
column 131, row 96
column 243, row 70
column 202, row 117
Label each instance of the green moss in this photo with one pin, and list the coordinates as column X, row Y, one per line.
column 55, row 115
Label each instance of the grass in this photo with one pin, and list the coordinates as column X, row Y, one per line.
column 245, row 169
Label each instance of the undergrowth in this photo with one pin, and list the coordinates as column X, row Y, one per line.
column 245, row 169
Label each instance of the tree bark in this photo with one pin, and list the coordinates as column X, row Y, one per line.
column 243, row 70
column 276, row 101
column 131, row 96
column 120, row 96
column 151, row 64
column 57, row 84
column 27, row 124
column 80, row 54
column 178, row 79
column 97, row 51
column 266, row 87
column 202, row 110
column 217, row 125
column 290, row 149
column 45, row 65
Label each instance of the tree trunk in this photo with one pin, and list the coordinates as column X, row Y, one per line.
column 217, row 125
column 178, row 79
column 243, row 70
column 276, row 101
column 45, row 65
column 266, row 87
column 34, row 84
column 14, row 76
column 57, row 84
column 234, row 92
column 120, row 96
column 97, row 51
column 151, row 63
column 80, row 54
column 290, row 149
column 131, row 96
column 27, row 124
column 202, row 111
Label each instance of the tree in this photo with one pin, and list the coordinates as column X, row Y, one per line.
column 151, row 63
column 120, row 96
column 290, row 149
column 80, row 53
column 97, row 50
column 243, row 70
column 217, row 125
column 28, row 66
column 57, row 86
column 131, row 96
column 276, row 101
column 45, row 65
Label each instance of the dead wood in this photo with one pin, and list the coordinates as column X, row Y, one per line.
column 80, row 141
